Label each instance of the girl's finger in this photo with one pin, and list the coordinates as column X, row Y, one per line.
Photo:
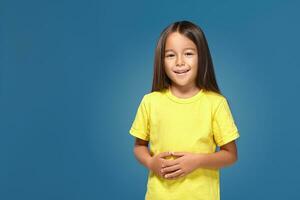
column 165, row 154
column 168, row 163
column 181, row 175
column 170, row 169
column 178, row 153
column 174, row 174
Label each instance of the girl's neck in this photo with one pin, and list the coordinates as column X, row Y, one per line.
column 184, row 92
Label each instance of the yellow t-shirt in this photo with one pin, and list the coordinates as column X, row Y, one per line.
column 195, row 124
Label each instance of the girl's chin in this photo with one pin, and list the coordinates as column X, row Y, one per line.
column 181, row 83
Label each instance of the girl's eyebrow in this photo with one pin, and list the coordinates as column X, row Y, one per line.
column 190, row 48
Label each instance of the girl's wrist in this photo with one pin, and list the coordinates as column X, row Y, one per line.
column 199, row 160
column 148, row 163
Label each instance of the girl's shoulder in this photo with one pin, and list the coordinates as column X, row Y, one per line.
column 154, row 94
column 215, row 100
column 214, row 96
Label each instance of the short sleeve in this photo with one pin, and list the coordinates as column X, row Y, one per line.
column 224, row 128
column 140, row 126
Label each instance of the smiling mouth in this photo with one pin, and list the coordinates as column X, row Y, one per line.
column 182, row 71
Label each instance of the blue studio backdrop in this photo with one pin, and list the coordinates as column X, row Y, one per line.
column 72, row 74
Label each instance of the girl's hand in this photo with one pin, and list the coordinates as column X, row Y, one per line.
column 157, row 161
column 185, row 164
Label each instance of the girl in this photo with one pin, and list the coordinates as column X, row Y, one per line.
column 184, row 118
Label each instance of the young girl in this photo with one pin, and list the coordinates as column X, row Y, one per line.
column 184, row 118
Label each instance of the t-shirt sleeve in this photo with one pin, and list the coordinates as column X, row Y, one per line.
column 140, row 126
column 224, row 128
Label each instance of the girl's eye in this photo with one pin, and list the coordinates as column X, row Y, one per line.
column 189, row 54
column 170, row 55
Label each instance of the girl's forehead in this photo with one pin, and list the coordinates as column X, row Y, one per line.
column 178, row 41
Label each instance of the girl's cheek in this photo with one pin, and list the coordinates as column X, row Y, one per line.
column 168, row 64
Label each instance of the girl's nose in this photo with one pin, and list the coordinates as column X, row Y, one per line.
column 179, row 61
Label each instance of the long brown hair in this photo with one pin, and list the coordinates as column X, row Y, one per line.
column 205, row 76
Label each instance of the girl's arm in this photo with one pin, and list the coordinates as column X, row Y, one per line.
column 153, row 163
column 141, row 152
column 225, row 157
column 187, row 162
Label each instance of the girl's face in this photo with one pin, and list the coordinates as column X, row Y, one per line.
column 181, row 60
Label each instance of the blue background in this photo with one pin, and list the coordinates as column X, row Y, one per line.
column 72, row 74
